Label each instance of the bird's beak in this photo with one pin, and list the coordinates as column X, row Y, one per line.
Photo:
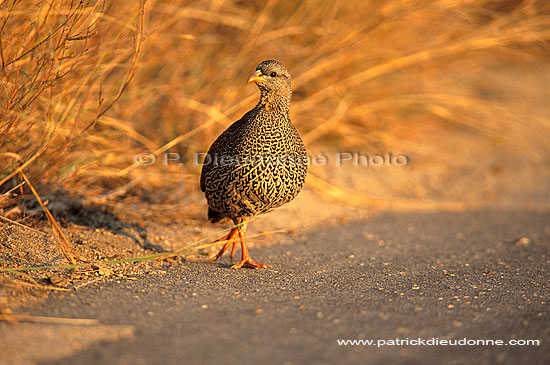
column 255, row 77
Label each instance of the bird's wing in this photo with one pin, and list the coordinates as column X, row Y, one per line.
column 223, row 145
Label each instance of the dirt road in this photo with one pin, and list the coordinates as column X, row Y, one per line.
column 475, row 275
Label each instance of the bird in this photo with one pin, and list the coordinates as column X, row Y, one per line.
column 257, row 164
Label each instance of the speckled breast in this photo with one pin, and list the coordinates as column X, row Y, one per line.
column 262, row 166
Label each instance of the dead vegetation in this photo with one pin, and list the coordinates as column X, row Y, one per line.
column 89, row 85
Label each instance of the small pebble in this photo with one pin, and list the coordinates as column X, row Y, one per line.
column 523, row 241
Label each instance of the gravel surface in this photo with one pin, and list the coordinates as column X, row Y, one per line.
column 474, row 275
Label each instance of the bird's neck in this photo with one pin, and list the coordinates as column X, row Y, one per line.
column 274, row 102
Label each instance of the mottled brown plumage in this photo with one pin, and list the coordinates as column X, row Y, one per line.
column 258, row 163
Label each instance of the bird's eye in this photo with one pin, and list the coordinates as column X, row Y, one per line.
column 273, row 74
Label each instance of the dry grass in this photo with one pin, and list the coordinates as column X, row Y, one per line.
column 458, row 86
column 59, row 77
column 400, row 76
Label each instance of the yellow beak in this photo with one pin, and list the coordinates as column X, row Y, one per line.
column 255, row 77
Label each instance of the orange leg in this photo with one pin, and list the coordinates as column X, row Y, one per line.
column 233, row 249
column 246, row 259
column 230, row 238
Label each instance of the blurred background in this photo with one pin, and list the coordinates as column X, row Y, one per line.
column 459, row 87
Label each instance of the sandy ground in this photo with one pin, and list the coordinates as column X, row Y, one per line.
column 473, row 275
column 132, row 228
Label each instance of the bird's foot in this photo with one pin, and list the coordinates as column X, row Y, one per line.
column 250, row 264
column 229, row 239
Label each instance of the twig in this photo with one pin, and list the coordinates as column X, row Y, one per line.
column 23, row 166
column 132, row 70
column 52, row 320
column 62, row 241
column 87, row 283
column 38, row 286
column 22, row 225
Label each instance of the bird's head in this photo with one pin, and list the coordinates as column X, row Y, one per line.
column 274, row 82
